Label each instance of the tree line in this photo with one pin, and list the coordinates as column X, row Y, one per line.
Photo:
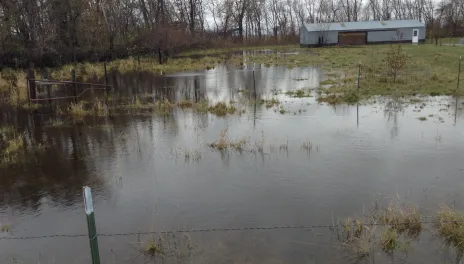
column 61, row 31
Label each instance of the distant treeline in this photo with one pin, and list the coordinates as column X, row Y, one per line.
column 55, row 32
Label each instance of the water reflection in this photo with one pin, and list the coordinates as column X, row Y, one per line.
column 221, row 84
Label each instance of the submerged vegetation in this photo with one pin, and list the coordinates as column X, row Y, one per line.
column 396, row 227
column 269, row 103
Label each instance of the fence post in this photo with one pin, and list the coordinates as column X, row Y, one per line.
column 31, row 85
column 49, row 93
column 73, row 76
column 106, row 74
column 106, row 88
column 88, row 203
column 359, row 74
column 254, row 84
column 459, row 74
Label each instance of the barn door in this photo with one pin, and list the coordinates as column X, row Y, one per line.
column 352, row 38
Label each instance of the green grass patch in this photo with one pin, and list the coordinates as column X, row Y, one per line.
column 422, row 118
column 328, row 82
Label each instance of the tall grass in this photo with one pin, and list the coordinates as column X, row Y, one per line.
column 389, row 229
column 77, row 110
column 12, row 149
column 450, row 226
column 100, row 108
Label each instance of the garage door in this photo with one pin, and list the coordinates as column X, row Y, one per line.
column 352, row 38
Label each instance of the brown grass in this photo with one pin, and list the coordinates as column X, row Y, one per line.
column 406, row 220
column 224, row 143
column 185, row 104
column 450, row 226
column 222, row 109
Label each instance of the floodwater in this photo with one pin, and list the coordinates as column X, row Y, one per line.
column 144, row 181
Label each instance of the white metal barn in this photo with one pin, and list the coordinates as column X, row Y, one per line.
column 361, row 33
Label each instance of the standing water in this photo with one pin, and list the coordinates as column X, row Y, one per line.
column 303, row 164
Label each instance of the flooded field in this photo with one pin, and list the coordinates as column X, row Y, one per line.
column 296, row 163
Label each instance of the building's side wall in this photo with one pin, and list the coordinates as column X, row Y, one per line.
column 312, row 38
column 399, row 35
column 303, row 34
column 331, row 37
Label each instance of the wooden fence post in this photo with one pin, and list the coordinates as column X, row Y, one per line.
column 49, row 92
column 73, row 74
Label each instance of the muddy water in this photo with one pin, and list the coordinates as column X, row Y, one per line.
column 143, row 181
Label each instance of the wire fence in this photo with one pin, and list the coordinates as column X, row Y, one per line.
column 231, row 229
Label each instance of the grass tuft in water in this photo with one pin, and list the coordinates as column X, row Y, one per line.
column 201, row 107
column 389, row 240
column 422, row 118
column 450, row 226
column 300, row 93
column 163, row 107
column 350, row 97
column 5, row 228
column 224, row 143
column 77, row 110
column 268, row 103
column 406, row 220
column 100, row 108
column 6, row 129
column 57, row 123
column 185, row 104
column 328, row 82
column 154, row 248
column 307, row 146
column 13, row 147
column 222, row 109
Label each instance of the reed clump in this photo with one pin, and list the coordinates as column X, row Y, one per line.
column 224, row 143
column 450, row 227
column 222, row 109
column 77, row 110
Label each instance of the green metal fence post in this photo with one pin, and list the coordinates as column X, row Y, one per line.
column 91, row 225
column 359, row 74
column 459, row 74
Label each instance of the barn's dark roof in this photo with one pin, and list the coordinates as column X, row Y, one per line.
column 364, row 25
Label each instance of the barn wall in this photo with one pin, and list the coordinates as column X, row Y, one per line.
column 401, row 34
column 312, row 38
column 303, row 34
